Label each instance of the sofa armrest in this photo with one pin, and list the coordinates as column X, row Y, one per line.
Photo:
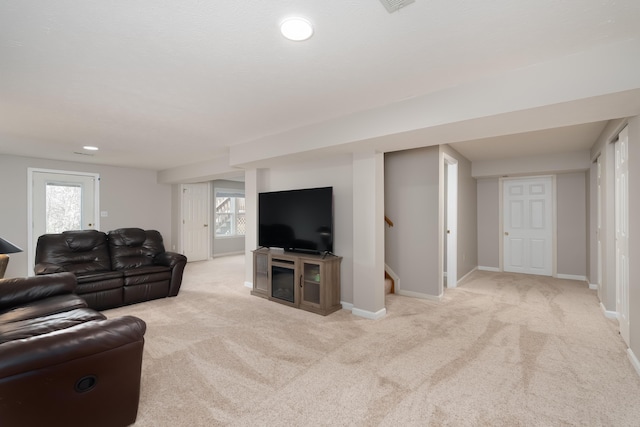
column 58, row 347
column 169, row 259
column 87, row 374
column 21, row 290
column 47, row 268
column 177, row 262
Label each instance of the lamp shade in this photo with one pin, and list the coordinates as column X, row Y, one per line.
column 8, row 247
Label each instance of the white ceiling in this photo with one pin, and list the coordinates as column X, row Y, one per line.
column 163, row 83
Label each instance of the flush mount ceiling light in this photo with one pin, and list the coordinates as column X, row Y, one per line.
column 90, row 148
column 296, row 29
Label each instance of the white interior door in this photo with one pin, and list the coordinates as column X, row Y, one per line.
column 61, row 201
column 599, row 225
column 451, row 238
column 528, row 225
column 622, row 232
column 196, row 235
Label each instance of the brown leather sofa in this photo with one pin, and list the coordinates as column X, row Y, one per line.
column 121, row 267
column 61, row 363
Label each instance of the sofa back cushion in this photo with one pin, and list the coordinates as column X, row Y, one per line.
column 78, row 251
column 134, row 247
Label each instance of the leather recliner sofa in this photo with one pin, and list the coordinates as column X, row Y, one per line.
column 123, row 266
column 61, row 363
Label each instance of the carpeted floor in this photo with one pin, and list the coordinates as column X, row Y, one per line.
column 500, row 350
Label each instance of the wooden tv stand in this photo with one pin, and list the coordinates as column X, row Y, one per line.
column 306, row 281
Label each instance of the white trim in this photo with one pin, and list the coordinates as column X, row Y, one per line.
column 467, row 275
column 369, row 314
column 634, row 360
column 608, row 314
column 593, row 286
column 223, row 254
column 493, row 269
column 572, row 277
column 346, row 305
column 436, row 298
column 248, row 285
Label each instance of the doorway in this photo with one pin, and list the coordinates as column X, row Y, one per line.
column 621, row 207
column 528, row 230
column 196, row 236
column 60, row 201
column 451, row 222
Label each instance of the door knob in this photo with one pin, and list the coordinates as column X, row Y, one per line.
column 506, row 233
column 206, row 225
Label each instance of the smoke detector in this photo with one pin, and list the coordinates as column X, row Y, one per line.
column 394, row 5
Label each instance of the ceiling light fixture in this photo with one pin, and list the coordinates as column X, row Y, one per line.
column 90, row 148
column 296, row 29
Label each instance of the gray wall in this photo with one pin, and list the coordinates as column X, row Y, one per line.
column 572, row 224
column 488, row 223
column 571, row 208
column 131, row 197
column 411, row 201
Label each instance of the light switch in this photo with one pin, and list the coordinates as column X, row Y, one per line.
column 104, row 214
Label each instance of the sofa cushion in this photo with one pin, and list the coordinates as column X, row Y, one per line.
column 134, row 247
column 77, row 251
column 32, row 327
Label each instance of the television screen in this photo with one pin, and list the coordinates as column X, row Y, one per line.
column 296, row 220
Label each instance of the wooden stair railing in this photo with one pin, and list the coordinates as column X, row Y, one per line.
column 388, row 221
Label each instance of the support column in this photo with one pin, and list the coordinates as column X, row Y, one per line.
column 251, row 217
column 368, row 235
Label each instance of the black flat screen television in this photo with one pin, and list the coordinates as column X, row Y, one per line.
column 297, row 220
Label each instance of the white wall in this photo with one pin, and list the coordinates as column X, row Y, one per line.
column 131, row 197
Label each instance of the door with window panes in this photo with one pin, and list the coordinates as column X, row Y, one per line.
column 61, row 201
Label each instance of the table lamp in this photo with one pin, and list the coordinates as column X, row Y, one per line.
column 6, row 248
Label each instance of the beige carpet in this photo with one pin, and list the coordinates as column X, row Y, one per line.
column 500, row 350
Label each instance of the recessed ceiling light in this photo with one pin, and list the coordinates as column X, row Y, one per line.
column 90, row 148
column 296, row 29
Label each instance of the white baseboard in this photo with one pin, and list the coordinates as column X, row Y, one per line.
column 571, row 277
column 346, row 305
column 634, row 360
column 494, row 269
column 593, row 286
column 436, row 298
column 369, row 314
column 609, row 314
column 466, row 275
column 223, row 254
column 248, row 285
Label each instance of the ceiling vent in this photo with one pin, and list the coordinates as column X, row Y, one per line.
column 394, row 5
